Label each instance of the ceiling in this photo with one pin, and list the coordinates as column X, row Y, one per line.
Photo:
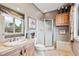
column 15, row 6
column 44, row 7
column 47, row 7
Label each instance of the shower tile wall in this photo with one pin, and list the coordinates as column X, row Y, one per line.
column 61, row 37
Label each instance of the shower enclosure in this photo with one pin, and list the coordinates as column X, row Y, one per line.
column 45, row 30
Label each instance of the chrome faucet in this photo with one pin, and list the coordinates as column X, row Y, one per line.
column 14, row 39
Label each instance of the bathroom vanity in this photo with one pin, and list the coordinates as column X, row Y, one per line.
column 26, row 48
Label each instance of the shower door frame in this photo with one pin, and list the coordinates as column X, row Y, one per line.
column 44, row 32
column 52, row 31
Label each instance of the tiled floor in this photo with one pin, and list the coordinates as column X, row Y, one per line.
column 55, row 53
column 59, row 53
column 63, row 49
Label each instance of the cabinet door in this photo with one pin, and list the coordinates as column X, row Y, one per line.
column 30, row 51
column 58, row 19
column 66, row 18
column 15, row 53
column 62, row 19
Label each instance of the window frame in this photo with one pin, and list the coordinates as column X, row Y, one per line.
column 76, row 21
column 22, row 26
column 14, row 17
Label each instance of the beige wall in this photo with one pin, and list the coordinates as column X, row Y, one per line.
column 2, row 28
column 33, row 12
column 1, row 24
column 51, row 15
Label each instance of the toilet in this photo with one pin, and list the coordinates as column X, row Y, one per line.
column 40, row 48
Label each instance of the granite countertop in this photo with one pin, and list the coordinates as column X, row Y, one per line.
column 5, row 49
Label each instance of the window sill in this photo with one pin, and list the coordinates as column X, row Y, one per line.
column 13, row 35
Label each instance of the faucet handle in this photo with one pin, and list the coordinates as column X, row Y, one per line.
column 10, row 40
column 14, row 39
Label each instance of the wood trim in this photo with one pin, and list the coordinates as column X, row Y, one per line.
column 10, row 10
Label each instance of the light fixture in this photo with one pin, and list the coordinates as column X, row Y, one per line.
column 62, row 7
column 66, row 7
column 18, row 9
column 45, row 10
column 58, row 8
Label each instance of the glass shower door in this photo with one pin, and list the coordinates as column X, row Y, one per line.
column 40, row 32
column 48, row 33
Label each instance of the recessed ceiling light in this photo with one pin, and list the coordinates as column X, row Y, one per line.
column 58, row 8
column 66, row 7
column 18, row 9
column 45, row 10
column 62, row 7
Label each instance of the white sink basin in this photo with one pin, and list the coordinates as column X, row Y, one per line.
column 15, row 43
column 3, row 47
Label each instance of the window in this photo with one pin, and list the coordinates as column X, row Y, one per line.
column 13, row 25
column 76, row 21
column 8, row 24
column 18, row 25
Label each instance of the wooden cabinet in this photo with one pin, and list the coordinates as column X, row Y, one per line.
column 15, row 52
column 58, row 19
column 26, row 50
column 62, row 19
column 30, row 51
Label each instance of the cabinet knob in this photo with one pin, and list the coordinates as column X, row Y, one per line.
column 24, row 50
column 21, row 53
